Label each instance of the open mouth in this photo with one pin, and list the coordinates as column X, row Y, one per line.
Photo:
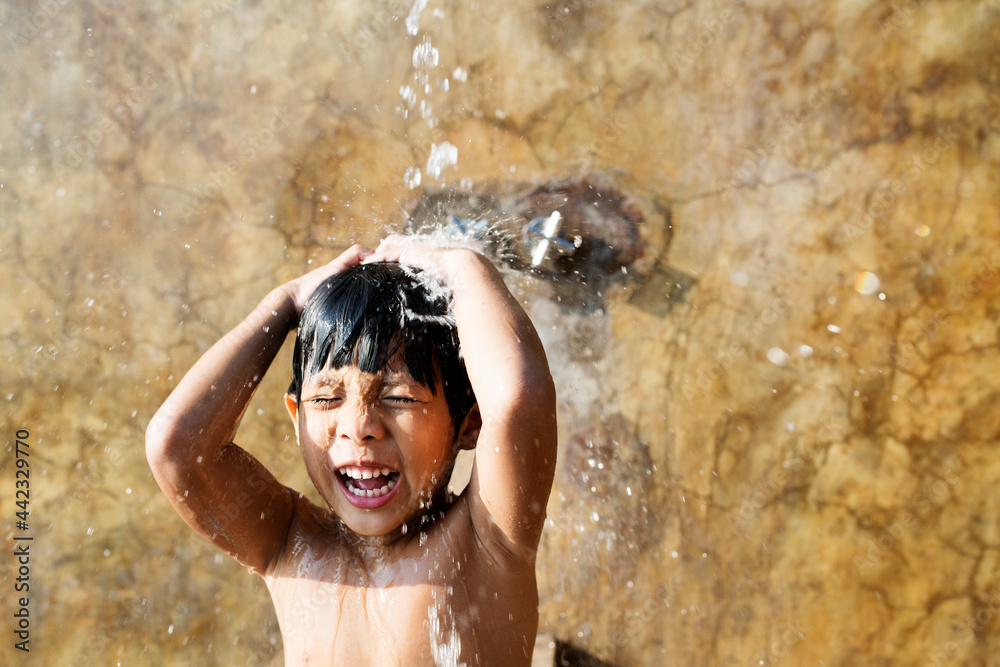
column 365, row 482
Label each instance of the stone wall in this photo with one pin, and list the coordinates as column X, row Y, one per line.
column 778, row 433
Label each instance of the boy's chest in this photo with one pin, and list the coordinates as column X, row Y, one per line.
column 327, row 624
column 332, row 610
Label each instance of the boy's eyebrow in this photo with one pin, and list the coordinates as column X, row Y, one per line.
column 400, row 380
column 325, row 381
column 333, row 378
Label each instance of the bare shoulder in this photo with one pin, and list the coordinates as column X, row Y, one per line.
column 311, row 534
column 483, row 545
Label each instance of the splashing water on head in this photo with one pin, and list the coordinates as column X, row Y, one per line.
column 437, row 289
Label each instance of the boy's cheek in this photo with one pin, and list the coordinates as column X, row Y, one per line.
column 317, row 427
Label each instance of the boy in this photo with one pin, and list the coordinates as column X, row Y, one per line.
column 396, row 571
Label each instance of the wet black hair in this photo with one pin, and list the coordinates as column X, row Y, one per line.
column 369, row 315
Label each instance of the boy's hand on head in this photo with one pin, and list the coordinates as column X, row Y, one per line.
column 515, row 395
column 415, row 251
column 300, row 289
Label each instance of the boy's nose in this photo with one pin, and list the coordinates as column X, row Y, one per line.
column 360, row 422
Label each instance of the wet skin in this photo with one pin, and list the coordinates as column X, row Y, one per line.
column 352, row 423
column 344, row 599
column 374, row 579
column 350, row 585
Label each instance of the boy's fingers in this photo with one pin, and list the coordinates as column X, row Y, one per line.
column 356, row 254
column 387, row 251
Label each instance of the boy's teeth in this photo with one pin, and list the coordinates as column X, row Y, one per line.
column 371, row 493
column 355, row 473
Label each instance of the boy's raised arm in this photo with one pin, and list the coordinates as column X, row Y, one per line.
column 516, row 451
column 218, row 488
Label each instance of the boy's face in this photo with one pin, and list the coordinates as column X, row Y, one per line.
column 377, row 445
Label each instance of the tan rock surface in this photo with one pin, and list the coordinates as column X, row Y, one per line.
column 765, row 457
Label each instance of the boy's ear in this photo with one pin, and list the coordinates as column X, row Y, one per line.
column 468, row 435
column 293, row 410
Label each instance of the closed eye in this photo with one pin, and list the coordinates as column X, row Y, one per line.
column 400, row 400
column 324, row 401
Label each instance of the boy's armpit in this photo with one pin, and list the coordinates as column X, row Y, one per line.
column 494, row 541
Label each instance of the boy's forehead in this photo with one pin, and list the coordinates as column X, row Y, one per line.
column 394, row 374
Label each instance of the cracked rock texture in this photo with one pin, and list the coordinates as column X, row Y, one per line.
column 779, row 432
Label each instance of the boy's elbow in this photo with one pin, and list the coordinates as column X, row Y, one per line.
column 157, row 444
column 163, row 440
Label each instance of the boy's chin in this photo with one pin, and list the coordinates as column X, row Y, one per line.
column 373, row 528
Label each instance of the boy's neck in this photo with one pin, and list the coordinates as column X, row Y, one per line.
column 373, row 550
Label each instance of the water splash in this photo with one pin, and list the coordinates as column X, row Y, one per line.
column 413, row 18
column 442, row 155
column 446, row 644
column 412, row 177
column 425, row 56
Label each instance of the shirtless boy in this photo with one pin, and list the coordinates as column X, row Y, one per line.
column 395, row 571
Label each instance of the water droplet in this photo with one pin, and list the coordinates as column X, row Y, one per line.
column 777, row 356
column 412, row 177
column 866, row 283
column 413, row 18
column 425, row 56
column 442, row 155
